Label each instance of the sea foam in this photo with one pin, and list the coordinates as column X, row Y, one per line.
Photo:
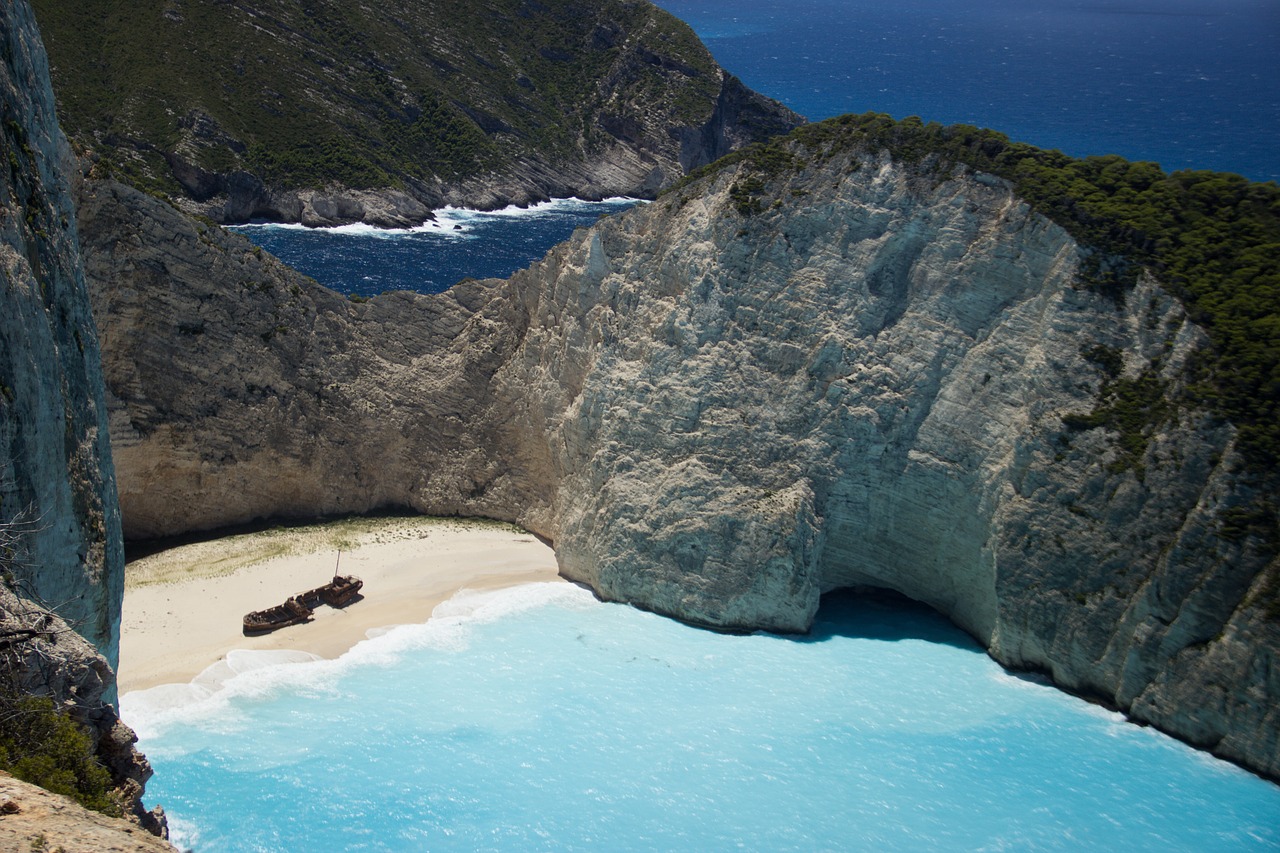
column 447, row 217
column 361, row 260
column 262, row 674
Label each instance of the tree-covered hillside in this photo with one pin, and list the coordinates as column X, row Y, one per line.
column 410, row 94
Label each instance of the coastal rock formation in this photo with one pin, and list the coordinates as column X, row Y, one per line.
column 41, row 655
column 61, row 552
column 329, row 112
column 855, row 372
column 57, row 487
column 275, row 396
column 35, row 819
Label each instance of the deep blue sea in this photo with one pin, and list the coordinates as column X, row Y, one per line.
column 1190, row 84
column 366, row 261
column 537, row 718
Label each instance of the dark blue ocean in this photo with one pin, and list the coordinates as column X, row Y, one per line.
column 366, row 261
column 1190, row 84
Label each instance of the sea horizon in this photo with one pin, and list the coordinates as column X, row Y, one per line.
column 1189, row 84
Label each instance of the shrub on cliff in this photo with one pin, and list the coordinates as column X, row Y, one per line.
column 47, row 748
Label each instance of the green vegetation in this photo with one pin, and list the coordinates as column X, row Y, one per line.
column 1131, row 407
column 1212, row 238
column 46, row 748
column 323, row 92
column 744, row 196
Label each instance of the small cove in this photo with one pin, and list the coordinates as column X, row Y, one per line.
column 362, row 261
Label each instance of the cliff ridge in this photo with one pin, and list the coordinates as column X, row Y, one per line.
column 327, row 112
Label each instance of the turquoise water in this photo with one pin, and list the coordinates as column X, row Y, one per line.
column 537, row 718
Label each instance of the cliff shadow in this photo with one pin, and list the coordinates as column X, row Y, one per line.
column 885, row 615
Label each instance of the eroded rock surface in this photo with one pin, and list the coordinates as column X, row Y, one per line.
column 34, row 819
column 720, row 409
column 57, row 486
column 61, row 551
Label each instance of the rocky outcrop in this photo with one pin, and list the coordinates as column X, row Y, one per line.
column 762, row 387
column 41, row 655
column 334, row 112
column 61, row 552
column 34, row 819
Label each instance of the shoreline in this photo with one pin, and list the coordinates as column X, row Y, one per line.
column 441, row 220
column 183, row 606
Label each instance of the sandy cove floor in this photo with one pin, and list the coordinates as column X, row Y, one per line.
column 183, row 607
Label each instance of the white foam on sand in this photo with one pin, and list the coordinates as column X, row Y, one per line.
column 209, row 698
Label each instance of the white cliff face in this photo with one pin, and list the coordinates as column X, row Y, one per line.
column 845, row 376
column 720, row 414
column 865, row 386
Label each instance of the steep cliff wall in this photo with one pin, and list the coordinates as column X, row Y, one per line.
column 763, row 386
column 61, row 552
column 239, row 389
column 866, row 386
column 57, row 487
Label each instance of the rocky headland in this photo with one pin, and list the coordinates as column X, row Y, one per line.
column 34, row 819
column 834, row 365
column 329, row 112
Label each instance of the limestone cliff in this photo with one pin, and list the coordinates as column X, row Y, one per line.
column 852, row 372
column 61, row 552
column 57, row 488
column 327, row 111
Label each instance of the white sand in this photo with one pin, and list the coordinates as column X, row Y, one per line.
column 183, row 607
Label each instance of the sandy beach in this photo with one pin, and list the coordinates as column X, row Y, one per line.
column 183, row 607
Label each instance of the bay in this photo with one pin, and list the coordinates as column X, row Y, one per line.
column 361, row 260
column 537, row 718
column 541, row 720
